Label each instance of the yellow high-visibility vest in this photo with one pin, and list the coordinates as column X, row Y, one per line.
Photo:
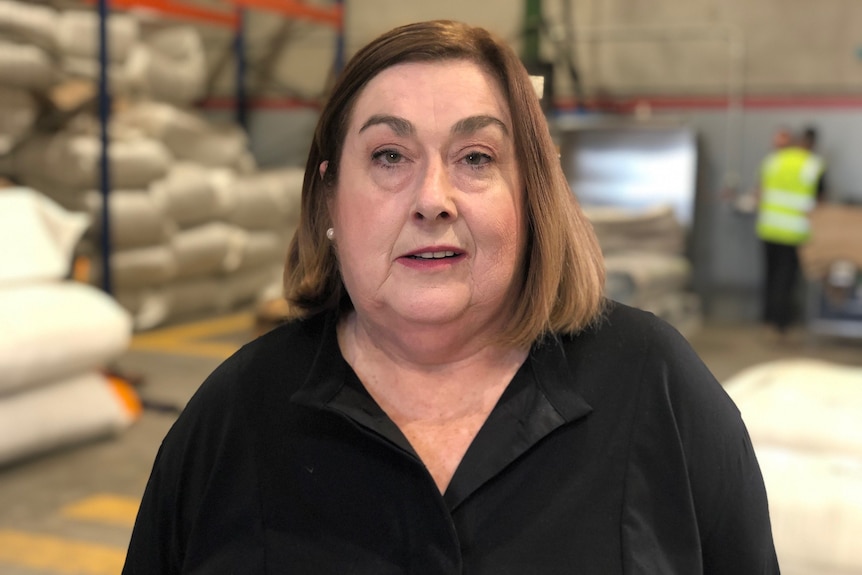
column 788, row 192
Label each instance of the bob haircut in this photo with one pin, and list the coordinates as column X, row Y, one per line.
column 562, row 272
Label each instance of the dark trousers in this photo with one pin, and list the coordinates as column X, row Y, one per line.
column 779, row 287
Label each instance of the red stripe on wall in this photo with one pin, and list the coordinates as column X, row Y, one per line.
column 627, row 104
column 761, row 102
column 260, row 104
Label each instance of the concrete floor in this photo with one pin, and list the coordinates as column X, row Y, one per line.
column 71, row 511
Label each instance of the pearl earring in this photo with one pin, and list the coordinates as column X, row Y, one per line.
column 330, row 234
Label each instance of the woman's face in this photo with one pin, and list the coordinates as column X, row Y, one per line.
column 427, row 212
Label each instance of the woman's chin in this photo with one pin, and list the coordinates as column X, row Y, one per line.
column 440, row 310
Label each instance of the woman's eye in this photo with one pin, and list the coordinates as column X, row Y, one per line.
column 477, row 159
column 388, row 156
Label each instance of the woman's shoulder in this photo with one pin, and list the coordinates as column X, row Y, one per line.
column 630, row 331
column 274, row 362
column 643, row 354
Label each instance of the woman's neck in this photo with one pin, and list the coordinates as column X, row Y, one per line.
column 439, row 396
column 428, row 373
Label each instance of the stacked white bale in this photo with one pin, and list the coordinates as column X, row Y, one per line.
column 188, row 210
column 168, row 65
column 66, row 166
column 78, row 45
column 645, row 262
column 27, row 69
column 136, row 218
column 18, row 112
column 803, row 418
column 229, row 223
column 228, row 251
column 71, row 161
column 190, row 136
column 57, row 335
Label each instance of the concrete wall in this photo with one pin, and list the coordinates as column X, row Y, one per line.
column 621, row 46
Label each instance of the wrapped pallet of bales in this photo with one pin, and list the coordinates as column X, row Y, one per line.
column 645, row 262
column 803, row 418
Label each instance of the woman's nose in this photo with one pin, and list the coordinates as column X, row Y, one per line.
column 434, row 195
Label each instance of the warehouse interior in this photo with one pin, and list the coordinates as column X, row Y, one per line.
column 139, row 275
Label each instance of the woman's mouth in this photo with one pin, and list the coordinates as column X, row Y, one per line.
column 432, row 255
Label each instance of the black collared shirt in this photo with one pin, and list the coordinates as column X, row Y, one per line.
column 611, row 451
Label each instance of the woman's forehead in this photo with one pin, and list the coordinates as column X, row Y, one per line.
column 448, row 89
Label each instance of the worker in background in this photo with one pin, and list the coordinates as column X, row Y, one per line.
column 789, row 182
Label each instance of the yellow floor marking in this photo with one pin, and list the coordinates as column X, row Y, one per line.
column 104, row 508
column 202, row 329
column 190, row 339
column 59, row 555
column 203, row 349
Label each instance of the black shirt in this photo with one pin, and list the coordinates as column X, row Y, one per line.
column 611, row 451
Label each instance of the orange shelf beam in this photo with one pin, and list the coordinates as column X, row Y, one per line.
column 295, row 9
column 177, row 9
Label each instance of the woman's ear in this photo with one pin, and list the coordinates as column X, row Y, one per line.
column 322, row 168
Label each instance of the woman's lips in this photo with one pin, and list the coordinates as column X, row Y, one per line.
column 432, row 257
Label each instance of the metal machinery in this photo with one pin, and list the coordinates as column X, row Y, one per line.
column 636, row 181
column 630, row 164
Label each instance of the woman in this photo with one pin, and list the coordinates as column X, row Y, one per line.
column 454, row 395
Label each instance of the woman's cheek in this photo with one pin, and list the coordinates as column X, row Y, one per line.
column 392, row 178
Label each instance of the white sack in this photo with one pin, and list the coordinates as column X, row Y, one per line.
column 27, row 23
column 261, row 248
column 18, row 112
column 90, row 70
column 267, row 200
column 207, row 249
column 636, row 274
column 223, row 182
column 70, row 199
column 815, row 505
column 147, row 306
column 188, row 195
column 37, row 237
column 801, row 404
column 247, row 286
column 652, row 229
column 69, row 411
column 135, row 219
column 152, row 307
column 170, row 65
column 194, row 296
column 78, row 34
column 26, row 66
column 188, row 135
column 142, row 267
column 52, row 330
column 74, row 160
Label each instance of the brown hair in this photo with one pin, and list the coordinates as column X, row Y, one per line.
column 563, row 274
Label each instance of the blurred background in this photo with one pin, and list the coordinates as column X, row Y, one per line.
column 151, row 160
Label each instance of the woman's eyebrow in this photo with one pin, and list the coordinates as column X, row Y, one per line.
column 476, row 123
column 400, row 126
column 403, row 127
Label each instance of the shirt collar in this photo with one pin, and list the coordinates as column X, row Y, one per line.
column 542, row 396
